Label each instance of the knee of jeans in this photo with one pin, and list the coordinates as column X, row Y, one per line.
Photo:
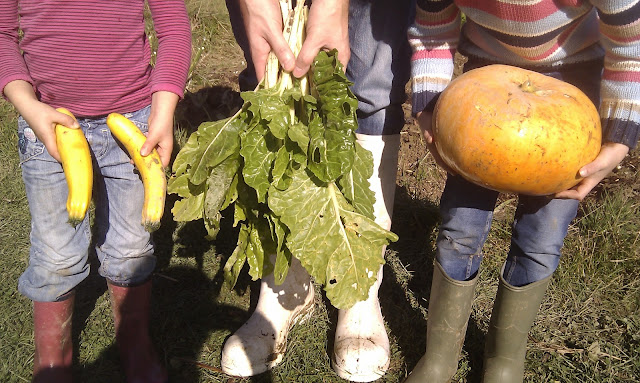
column 60, row 248
column 127, row 271
column 47, row 277
column 544, row 249
column 527, row 264
column 459, row 257
column 459, row 267
column 64, row 262
column 462, row 244
column 523, row 271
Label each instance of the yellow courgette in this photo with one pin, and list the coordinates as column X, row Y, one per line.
column 150, row 168
column 78, row 169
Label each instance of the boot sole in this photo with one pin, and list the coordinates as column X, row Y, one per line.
column 368, row 377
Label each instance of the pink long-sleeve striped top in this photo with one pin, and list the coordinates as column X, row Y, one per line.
column 93, row 57
column 542, row 34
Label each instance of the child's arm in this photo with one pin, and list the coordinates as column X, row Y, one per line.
column 15, row 83
column 620, row 91
column 163, row 106
column 41, row 117
column 173, row 28
column 433, row 37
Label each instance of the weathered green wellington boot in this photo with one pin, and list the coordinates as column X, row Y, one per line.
column 449, row 309
column 514, row 311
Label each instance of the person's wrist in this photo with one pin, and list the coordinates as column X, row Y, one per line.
column 20, row 93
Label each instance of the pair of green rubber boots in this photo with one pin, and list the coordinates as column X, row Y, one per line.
column 514, row 311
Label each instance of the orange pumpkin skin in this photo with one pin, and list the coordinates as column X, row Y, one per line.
column 514, row 130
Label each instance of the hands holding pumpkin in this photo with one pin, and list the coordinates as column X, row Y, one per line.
column 610, row 156
column 326, row 28
column 42, row 118
column 425, row 121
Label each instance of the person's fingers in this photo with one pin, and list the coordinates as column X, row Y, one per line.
column 578, row 192
column 283, row 52
column 146, row 148
column 65, row 120
column 304, row 60
column 49, row 142
column 308, row 53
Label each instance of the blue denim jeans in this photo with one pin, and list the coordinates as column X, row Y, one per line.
column 380, row 62
column 58, row 257
column 539, row 228
column 540, row 224
column 379, row 65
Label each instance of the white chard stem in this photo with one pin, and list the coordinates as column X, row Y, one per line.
column 294, row 25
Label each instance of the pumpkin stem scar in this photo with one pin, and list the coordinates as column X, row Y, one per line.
column 528, row 86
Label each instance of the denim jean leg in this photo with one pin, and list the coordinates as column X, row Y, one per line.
column 58, row 253
column 124, row 247
column 380, row 62
column 467, row 211
column 539, row 229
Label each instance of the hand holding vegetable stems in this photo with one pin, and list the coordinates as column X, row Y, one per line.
column 42, row 118
column 610, row 156
column 326, row 29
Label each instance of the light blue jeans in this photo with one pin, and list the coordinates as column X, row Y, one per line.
column 379, row 65
column 540, row 223
column 58, row 257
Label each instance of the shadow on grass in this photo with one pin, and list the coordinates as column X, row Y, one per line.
column 404, row 297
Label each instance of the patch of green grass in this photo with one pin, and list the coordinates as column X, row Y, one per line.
column 16, row 350
column 589, row 325
column 216, row 58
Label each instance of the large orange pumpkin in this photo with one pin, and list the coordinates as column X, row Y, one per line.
column 514, row 130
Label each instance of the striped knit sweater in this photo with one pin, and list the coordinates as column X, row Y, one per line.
column 93, row 57
column 540, row 34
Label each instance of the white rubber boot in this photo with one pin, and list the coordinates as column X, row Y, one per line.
column 361, row 349
column 260, row 344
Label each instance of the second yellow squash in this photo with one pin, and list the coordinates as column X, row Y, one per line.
column 150, row 168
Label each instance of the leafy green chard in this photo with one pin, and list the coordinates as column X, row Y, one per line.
column 290, row 166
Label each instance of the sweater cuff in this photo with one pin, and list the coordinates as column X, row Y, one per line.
column 622, row 132
column 620, row 121
column 424, row 101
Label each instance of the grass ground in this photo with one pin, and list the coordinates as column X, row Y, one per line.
column 588, row 329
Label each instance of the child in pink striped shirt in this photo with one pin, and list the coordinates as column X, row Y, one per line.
column 92, row 58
